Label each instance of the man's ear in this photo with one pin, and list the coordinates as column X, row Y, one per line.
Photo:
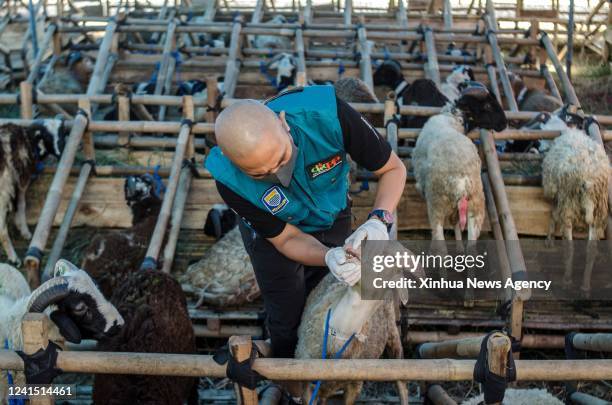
column 284, row 121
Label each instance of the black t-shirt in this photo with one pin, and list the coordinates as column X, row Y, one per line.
column 361, row 141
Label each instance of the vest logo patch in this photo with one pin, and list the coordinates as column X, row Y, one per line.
column 274, row 199
column 325, row 165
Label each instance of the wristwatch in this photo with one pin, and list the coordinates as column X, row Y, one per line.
column 385, row 217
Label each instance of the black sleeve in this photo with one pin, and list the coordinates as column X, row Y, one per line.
column 264, row 223
column 362, row 141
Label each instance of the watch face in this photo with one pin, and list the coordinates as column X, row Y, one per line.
column 388, row 217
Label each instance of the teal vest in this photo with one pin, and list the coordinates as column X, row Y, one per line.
column 319, row 187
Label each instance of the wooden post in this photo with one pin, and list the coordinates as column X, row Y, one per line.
column 167, row 87
column 52, row 201
column 240, row 347
column 169, row 45
column 365, row 63
column 300, row 77
column 25, row 97
column 256, row 17
column 438, row 396
column 515, row 255
column 210, row 11
column 402, row 16
column 35, row 332
column 498, row 347
column 491, row 74
column 178, row 207
column 212, row 92
column 49, row 35
column 150, row 260
column 433, row 70
column 499, row 61
column 550, row 82
column 232, row 68
column 490, row 11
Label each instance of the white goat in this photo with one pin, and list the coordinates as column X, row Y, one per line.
column 273, row 41
column 450, row 88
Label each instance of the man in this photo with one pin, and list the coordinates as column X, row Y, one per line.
column 282, row 166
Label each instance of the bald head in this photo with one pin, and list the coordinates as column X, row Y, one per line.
column 252, row 136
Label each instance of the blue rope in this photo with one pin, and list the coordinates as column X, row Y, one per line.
column 386, row 54
column 178, row 61
column 340, row 69
column 315, row 392
column 264, row 71
column 159, row 184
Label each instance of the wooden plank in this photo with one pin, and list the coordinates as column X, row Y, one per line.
column 103, row 205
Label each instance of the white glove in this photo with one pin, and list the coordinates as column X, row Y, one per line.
column 347, row 270
column 372, row 229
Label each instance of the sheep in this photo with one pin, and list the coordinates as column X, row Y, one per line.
column 156, row 321
column 109, row 257
column 70, row 294
column 273, row 41
column 373, row 321
column 224, row 276
column 22, row 148
column 422, row 92
column 151, row 302
column 575, row 177
column 447, row 166
column 532, row 99
column 532, row 396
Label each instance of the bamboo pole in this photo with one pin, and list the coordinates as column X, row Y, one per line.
column 169, row 45
column 437, row 395
column 232, row 69
column 402, row 17
column 226, row 331
column 459, row 348
column 365, row 62
column 240, row 347
column 256, row 17
column 157, row 238
column 34, row 69
column 529, row 341
column 568, row 89
column 550, row 82
column 499, row 61
column 515, row 255
column 580, row 398
column 178, row 207
column 71, row 210
column 313, row 369
column 599, row 342
column 500, row 247
column 348, row 11
column 300, row 77
column 25, row 97
column 35, row 332
column 123, row 114
column 448, row 14
column 211, row 10
column 432, row 71
column 308, row 12
column 97, row 76
column 392, row 138
column 52, row 201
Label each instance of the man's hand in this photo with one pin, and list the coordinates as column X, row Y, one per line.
column 372, row 229
column 347, row 270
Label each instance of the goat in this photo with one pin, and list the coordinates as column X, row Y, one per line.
column 273, row 41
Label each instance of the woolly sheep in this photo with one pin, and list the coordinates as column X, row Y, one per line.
column 374, row 322
column 447, row 166
column 67, row 294
column 533, row 396
column 224, row 276
column 21, row 149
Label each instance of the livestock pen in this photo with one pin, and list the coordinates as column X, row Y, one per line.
column 166, row 46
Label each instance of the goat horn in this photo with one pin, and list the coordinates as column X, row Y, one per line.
column 49, row 293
